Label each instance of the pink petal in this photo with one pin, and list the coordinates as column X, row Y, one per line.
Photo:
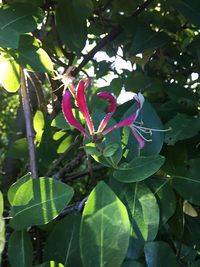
column 138, row 138
column 126, row 122
column 111, row 109
column 69, row 116
column 82, row 105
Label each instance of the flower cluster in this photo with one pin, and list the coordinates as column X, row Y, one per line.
column 96, row 136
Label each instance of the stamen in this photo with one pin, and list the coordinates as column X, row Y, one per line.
column 145, row 139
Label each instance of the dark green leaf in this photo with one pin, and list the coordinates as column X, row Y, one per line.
column 60, row 122
column 165, row 197
column 138, row 169
column 189, row 9
column 159, row 254
column 71, row 24
column 20, row 250
column 38, row 201
column 143, row 213
column 50, row 264
column 9, row 38
column 104, row 227
column 182, row 127
column 62, row 244
column 20, row 17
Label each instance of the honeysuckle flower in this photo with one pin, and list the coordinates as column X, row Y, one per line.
column 137, row 128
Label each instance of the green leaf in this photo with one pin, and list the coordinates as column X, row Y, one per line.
column 62, row 244
column 183, row 127
column 20, row 250
column 38, row 201
column 165, row 197
column 60, row 122
column 20, row 17
column 189, row 9
column 196, row 264
column 188, row 185
column 132, row 264
column 18, row 150
column 1, row 204
column 2, row 226
column 38, row 124
column 110, row 150
column 159, row 254
column 14, row 187
column 71, row 23
column 2, row 236
column 105, row 227
column 9, row 74
column 9, row 38
column 145, row 38
column 138, row 169
column 50, row 264
column 143, row 213
column 65, row 144
column 34, row 58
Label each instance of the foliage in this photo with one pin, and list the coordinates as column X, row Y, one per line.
column 109, row 202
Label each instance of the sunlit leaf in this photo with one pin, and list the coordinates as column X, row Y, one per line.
column 38, row 201
column 104, row 226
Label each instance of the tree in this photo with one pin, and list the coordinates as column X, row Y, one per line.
column 84, row 181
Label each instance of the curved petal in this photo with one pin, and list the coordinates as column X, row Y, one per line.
column 140, row 140
column 126, row 122
column 69, row 116
column 82, row 105
column 111, row 109
column 139, row 99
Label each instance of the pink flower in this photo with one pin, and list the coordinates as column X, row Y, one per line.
column 96, row 136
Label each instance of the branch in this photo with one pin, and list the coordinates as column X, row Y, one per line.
column 28, row 122
column 73, row 176
column 115, row 32
column 62, row 157
column 70, row 166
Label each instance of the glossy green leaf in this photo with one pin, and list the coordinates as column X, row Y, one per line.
column 182, row 127
column 9, row 74
column 14, row 187
column 9, row 38
column 165, row 197
column 34, row 58
column 71, row 24
column 62, row 244
column 138, row 169
column 143, row 213
column 38, row 201
column 104, row 227
column 159, row 254
column 20, row 17
column 20, row 250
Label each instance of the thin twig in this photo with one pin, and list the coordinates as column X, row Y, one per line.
column 29, row 123
column 114, row 33
column 69, row 166
column 73, row 176
column 62, row 157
